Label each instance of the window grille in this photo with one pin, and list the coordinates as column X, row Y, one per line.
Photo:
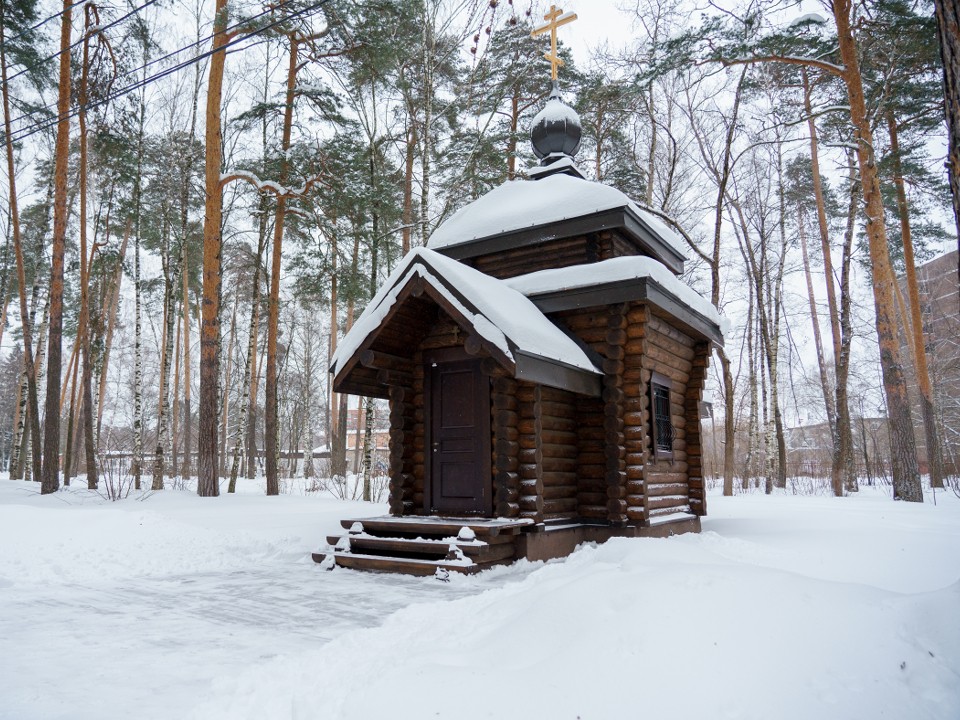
column 662, row 425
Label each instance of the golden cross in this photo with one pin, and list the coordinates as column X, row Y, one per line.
column 555, row 18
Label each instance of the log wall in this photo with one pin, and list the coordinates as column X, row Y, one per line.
column 557, row 456
column 698, row 377
column 547, row 452
column 636, row 434
column 557, row 253
column 504, row 424
column 670, row 353
column 548, row 254
column 619, row 478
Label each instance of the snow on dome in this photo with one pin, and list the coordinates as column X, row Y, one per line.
column 555, row 131
column 521, row 204
column 556, row 110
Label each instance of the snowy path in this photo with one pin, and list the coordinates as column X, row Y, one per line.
column 143, row 630
column 180, row 607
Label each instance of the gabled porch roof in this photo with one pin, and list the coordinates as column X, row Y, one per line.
column 499, row 321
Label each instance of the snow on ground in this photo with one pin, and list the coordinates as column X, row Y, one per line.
column 172, row 606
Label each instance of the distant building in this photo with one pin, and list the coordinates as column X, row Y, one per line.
column 940, row 310
column 810, row 449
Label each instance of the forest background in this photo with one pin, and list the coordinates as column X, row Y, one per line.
column 202, row 198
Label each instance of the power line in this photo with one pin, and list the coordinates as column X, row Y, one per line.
column 25, row 33
column 80, row 40
column 27, row 132
column 31, row 115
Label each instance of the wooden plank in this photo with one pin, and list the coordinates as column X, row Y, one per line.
column 666, row 501
column 438, row 549
column 659, row 325
column 432, row 525
column 374, row 563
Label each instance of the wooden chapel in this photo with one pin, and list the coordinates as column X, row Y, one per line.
column 544, row 367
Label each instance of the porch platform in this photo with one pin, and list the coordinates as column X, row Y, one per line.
column 428, row 545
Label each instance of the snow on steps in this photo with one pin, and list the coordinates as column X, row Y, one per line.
column 423, row 546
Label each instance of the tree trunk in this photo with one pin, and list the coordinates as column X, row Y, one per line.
column 246, row 402
column 175, row 411
column 171, row 267
column 271, row 424
column 842, row 473
column 722, row 178
column 83, row 325
column 368, row 447
column 334, row 426
column 225, row 409
column 427, row 135
column 19, row 423
column 843, row 451
column 69, row 455
column 186, row 469
column 407, row 217
column 307, row 398
column 114, row 303
column 28, row 395
column 753, row 439
column 903, row 451
column 829, row 399
column 948, row 31
column 914, row 327
column 728, row 430
column 207, row 481
column 50, row 474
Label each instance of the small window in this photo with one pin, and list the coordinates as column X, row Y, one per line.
column 661, row 431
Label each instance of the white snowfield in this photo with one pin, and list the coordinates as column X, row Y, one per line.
column 174, row 606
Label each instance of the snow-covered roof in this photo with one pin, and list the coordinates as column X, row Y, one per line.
column 522, row 204
column 615, row 271
column 499, row 314
column 619, row 269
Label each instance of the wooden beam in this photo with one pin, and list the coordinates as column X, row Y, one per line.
column 385, row 361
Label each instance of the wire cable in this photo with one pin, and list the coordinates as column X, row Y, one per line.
column 79, row 41
column 27, row 31
column 23, row 134
column 31, row 115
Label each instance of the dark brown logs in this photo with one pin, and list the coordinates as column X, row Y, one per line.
column 473, row 344
column 655, row 489
column 394, row 377
column 506, row 438
column 401, row 450
column 492, row 368
column 527, row 426
column 667, row 501
column 384, row 361
column 696, row 490
column 538, row 433
column 598, row 512
column 538, row 506
column 613, row 396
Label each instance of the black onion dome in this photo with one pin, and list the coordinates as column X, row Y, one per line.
column 556, row 130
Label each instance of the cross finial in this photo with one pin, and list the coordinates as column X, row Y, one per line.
column 555, row 18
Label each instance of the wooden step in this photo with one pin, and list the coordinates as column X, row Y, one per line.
column 478, row 551
column 408, row 566
column 439, row 526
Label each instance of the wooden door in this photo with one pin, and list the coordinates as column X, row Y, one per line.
column 459, row 439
